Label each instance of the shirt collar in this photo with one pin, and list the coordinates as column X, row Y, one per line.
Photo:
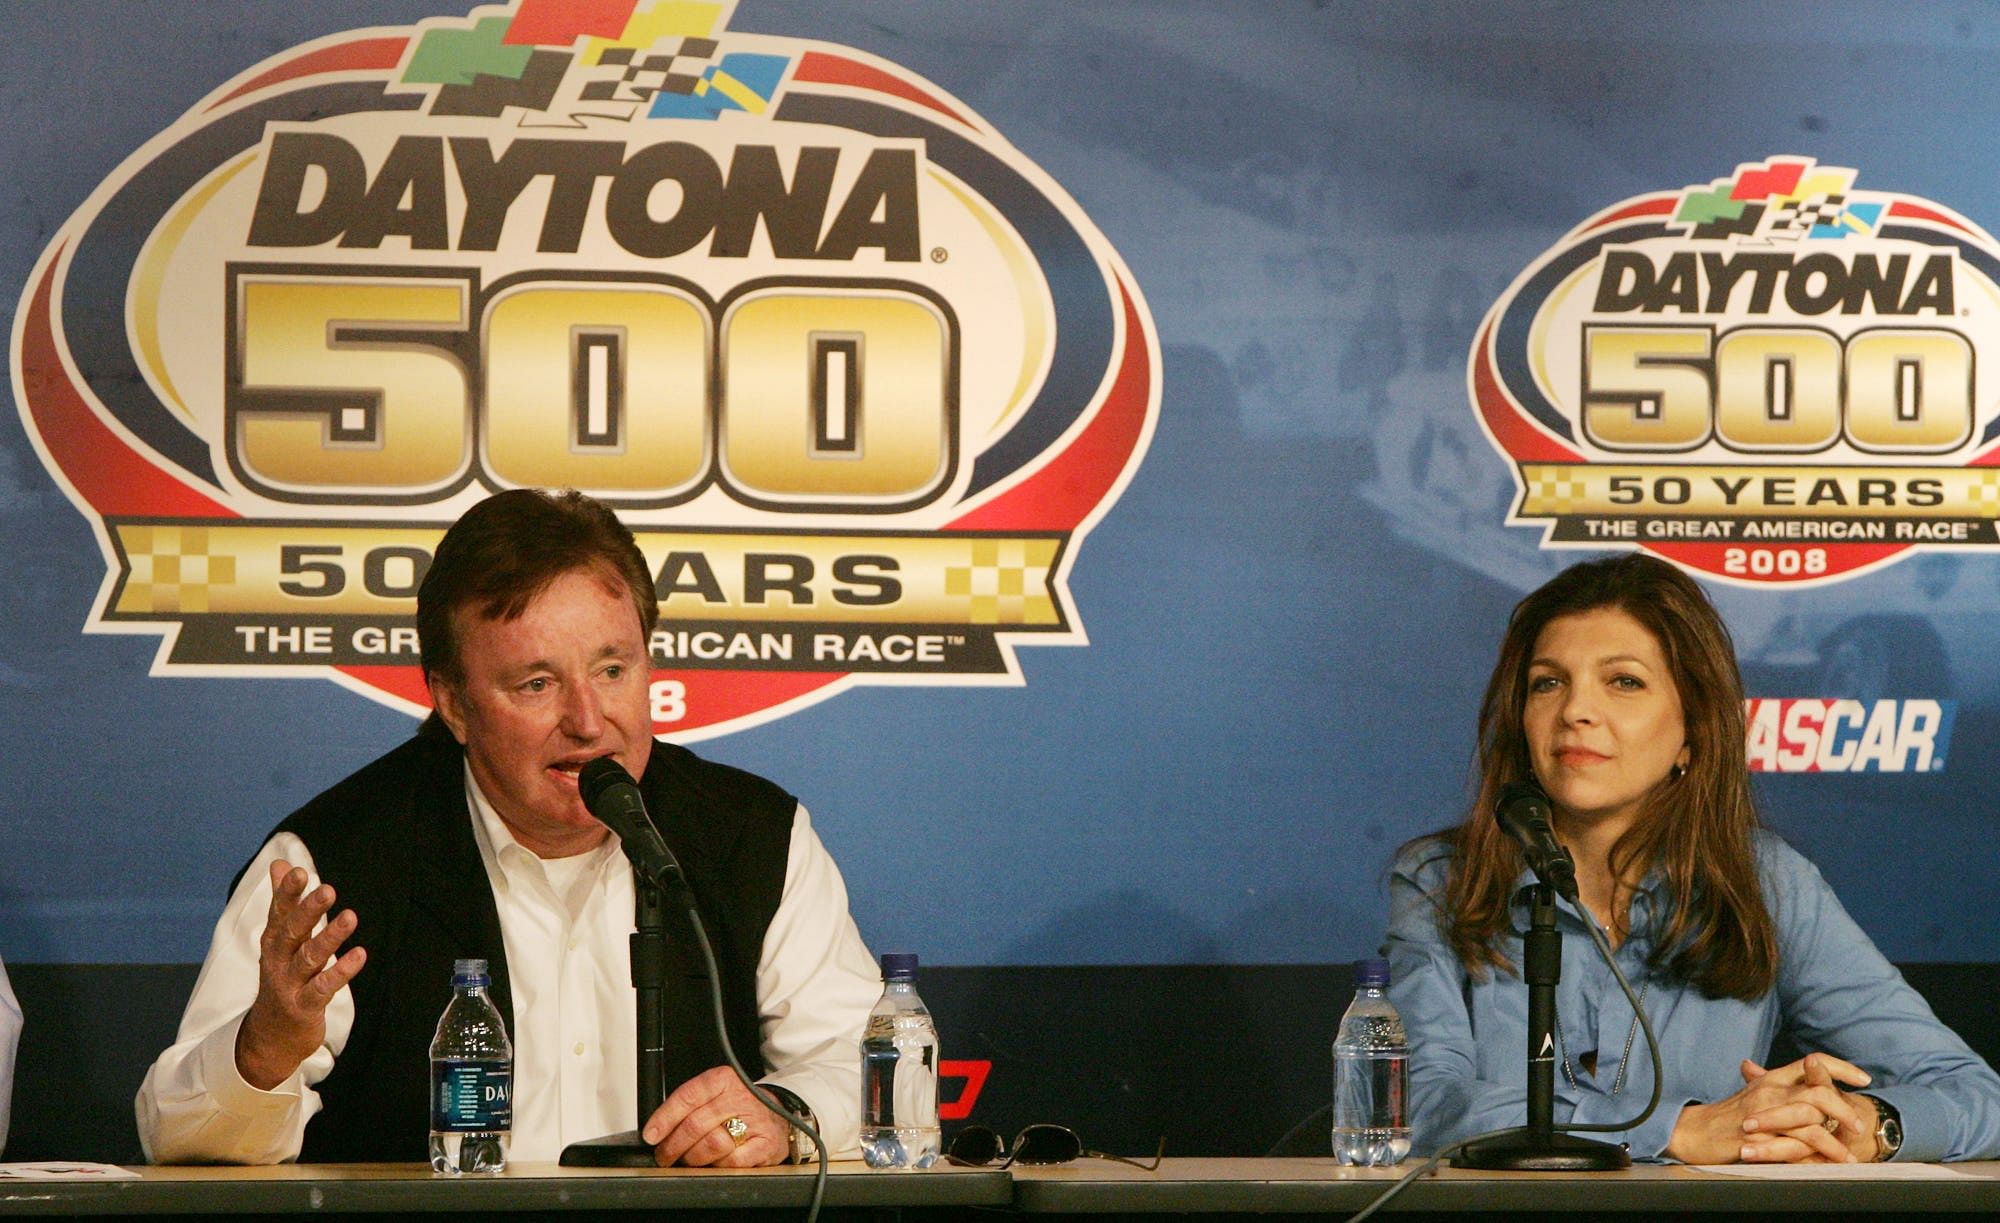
column 505, row 857
column 1649, row 910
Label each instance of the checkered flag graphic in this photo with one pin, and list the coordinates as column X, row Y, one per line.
column 669, row 66
column 1796, row 220
column 623, row 82
column 170, row 569
column 1004, row 581
column 1985, row 494
column 1561, row 490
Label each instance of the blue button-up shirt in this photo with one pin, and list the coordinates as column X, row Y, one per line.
column 1835, row 993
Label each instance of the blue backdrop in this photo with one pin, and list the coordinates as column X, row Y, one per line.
column 1293, row 605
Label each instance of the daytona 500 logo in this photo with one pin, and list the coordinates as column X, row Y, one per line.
column 859, row 374
column 1773, row 377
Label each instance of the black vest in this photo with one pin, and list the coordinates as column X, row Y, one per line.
column 395, row 841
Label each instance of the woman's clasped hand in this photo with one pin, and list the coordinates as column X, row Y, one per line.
column 1791, row 1114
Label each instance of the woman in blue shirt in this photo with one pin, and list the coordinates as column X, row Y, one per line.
column 1617, row 690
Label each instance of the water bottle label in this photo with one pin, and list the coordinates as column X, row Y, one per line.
column 472, row 1097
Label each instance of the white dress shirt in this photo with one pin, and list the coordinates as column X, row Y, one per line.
column 565, row 924
column 10, row 1043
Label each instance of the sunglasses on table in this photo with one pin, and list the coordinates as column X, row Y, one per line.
column 977, row 1146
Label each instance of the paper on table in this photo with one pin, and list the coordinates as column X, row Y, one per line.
column 66, row 1170
column 1840, row 1172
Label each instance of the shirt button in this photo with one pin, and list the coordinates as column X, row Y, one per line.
column 578, row 1050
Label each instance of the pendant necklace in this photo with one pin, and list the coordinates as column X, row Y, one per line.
column 1624, row 1059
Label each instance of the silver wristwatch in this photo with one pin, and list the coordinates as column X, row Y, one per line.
column 802, row 1146
column 1888, row 1129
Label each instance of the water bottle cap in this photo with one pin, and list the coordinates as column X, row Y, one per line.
column 899, row 965
column 469, row 972
column 1371, row 973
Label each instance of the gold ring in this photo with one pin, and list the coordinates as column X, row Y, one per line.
column 737, row 1128
column 1832, row 1124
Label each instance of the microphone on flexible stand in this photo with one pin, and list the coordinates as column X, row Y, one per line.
column 613, row 799
column 1523, row 813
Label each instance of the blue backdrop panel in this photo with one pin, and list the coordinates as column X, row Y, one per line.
column 1291, row 608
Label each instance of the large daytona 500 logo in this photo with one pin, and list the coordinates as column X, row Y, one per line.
column 857, row 372
column 1773, row 377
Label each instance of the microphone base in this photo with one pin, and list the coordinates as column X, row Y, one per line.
column 621, row 1150
column 1528, row 1152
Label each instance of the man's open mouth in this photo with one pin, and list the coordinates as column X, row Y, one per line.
column 574, row 767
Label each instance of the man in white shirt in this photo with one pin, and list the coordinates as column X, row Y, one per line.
column 471, row 841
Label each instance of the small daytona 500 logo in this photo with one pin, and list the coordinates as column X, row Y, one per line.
column 1779, row 376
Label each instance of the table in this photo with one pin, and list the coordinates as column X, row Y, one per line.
column 1087, row 1188
column 524, row 1191
column 1319, row 1185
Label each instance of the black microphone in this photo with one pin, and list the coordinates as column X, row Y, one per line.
column 613, row 799
column 1523, row 812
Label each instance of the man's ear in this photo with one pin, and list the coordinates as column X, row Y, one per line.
column 445, row 699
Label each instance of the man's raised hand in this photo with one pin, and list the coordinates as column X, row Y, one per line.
column 295, row 979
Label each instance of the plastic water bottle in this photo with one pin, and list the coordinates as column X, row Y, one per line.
column 472, row 1078
column 899, row 1073
column 1371, row 1054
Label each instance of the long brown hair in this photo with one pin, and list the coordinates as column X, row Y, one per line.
column 1699, row 830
